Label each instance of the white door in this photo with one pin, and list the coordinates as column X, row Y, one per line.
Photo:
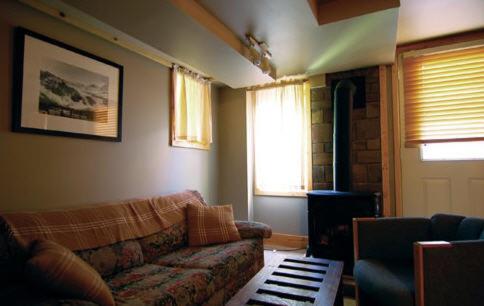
column 430, row 187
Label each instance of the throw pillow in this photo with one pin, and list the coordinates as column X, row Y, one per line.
column 60, row 270
column 211, row 224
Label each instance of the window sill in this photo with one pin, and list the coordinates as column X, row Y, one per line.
column 293, row 194
column 189, row 144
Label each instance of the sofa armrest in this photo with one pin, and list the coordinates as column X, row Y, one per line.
column 388, row 238
column 249, row 229
column 449, row 273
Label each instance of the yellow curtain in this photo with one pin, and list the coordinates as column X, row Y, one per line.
column 192, row 116
column 444, row 96
column 281, row 139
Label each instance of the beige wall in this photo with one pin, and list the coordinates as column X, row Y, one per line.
column 232, row 152
column 42, row 172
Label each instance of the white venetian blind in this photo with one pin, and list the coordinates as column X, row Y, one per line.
column 444, row 96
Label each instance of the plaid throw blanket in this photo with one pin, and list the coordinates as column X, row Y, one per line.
column 101, row 225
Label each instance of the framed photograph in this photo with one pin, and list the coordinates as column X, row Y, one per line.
column 61, row 90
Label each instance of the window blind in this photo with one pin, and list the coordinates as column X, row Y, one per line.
column 444, row 96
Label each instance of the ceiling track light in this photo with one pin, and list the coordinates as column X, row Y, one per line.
column 259, row 53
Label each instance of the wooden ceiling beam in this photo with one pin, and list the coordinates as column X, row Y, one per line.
column 328, row 11
column 205, row 18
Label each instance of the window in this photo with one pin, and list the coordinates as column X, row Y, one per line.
column 473, row 150
column 444, row 100
column 191, row 124
column 281, row 139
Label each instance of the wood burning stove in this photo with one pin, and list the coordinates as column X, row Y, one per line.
column 330, row 212
column 330, row 215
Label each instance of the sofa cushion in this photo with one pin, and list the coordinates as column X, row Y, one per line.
column 225, row 261
column 250, row 229
column 158, row 285
column 470, row 229
column 164, row 242
column 113, row 258
column 444, row 227
column 387, row 282
column 211, row 224
column 56, row 268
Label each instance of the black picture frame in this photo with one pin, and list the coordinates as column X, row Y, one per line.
column 90, row 107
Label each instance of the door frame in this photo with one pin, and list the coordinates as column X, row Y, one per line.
column 398, row 105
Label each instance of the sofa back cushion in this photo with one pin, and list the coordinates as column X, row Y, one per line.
column 164, row 242
column 444, row 227
column 102, row 225
column 108, row 260
column 470, row 229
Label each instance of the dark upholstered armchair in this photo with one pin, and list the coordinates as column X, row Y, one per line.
column 419, row 261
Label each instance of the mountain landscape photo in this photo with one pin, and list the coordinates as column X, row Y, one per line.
column 72, row 92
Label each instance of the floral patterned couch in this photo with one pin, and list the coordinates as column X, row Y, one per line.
column 159, row 269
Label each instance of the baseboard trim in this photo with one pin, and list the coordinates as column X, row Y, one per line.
column 286, row 240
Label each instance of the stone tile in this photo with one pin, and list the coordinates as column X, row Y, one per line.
column 358, row 145
column 317, row 94
column 322, row 159
column 372, row 110
column 373, row 144
column 327, row 115
column 359, row 173
column 318, row 147
column 316, row 105
column 368, row 129
column 368, row 157
column 318, row 174
column 328, row 174
column 321, row 132
column 317, row 116
column 374, row 173
column 359, row 113
column 322, row 186
column 326, row 91
column 368, row 187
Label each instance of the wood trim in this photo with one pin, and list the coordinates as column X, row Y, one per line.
column 418, row 258
column 286, row 240
column 205, row 18
column 313, row 4
column 397, row 142
column 356, row 243
column 384, row 138
column 336, row 10
column 441, row 41
column 90, row 25
column 418, row 274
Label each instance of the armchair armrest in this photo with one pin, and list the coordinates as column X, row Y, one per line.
column 249, row 229
column 449, row 273
column 388, row 238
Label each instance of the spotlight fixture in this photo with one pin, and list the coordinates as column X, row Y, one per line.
column 259, row 53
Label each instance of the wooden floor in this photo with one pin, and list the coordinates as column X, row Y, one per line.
column 271, row 251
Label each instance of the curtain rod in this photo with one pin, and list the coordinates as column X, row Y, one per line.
column 277, row 84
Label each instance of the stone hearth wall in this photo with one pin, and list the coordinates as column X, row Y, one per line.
column 365, row 134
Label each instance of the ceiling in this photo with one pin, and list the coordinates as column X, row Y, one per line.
column 422, row 19
column 297, row 43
